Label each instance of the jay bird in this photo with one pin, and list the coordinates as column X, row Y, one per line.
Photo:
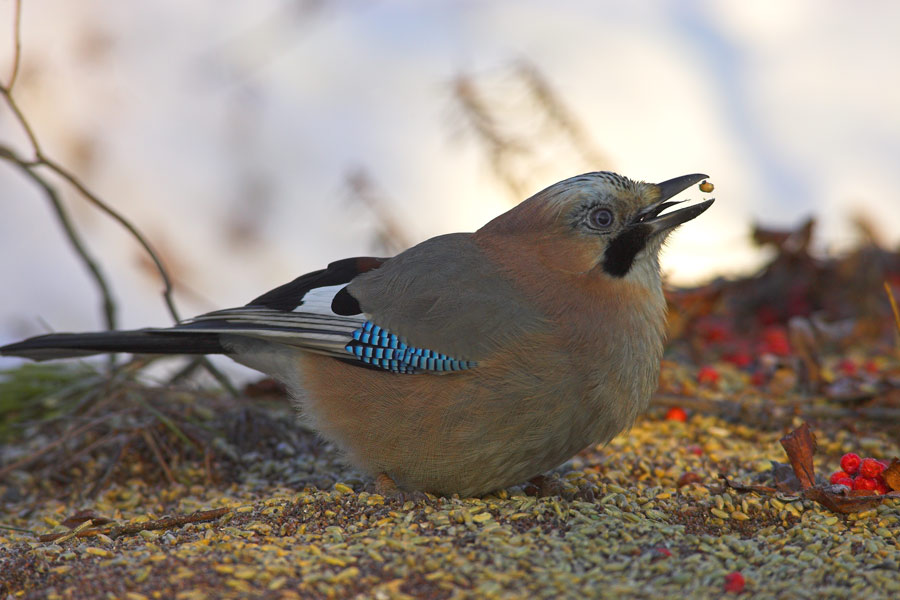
column 472, row 361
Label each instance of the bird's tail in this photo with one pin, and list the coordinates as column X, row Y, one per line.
column 139, row 341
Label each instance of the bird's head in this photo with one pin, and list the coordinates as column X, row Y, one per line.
column 599, row 223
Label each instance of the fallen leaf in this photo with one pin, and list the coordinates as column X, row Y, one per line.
column 800, row 446
column 891, row 475
column 844, row 503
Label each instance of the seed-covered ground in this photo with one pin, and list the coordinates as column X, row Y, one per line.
column 112, row 488
column 645, row 516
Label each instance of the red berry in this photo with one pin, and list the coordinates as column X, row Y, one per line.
column 707, row 375
column 695, row 450
column 734, row 582
column 676, row 413
column 865, row 483
column 741, row 360
column 767, row 316
column 838, row 475
column 850, row 463
column 881, row 485
column 844, row 481
column 775, row 340
column 870, row 468
column 715, row 332
column 847, row 367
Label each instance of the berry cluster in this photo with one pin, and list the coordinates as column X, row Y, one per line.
column 861, row 474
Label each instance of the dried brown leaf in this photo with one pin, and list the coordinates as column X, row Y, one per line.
column 800, row 446
column 892, row 475
column 844, row 504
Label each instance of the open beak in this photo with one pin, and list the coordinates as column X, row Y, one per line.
column 659, row 223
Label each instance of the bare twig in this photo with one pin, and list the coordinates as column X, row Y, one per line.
column 125, row 223
column 100, row 482
column 390, row 234
column 109, row 306
column 17, row 43
column 504, row 124
column 30, row 168
column 26, row 126
column 116, row 531
column 64, row 537
column 25, row 460
column 154, row 447
column 500, row 148
column 890, row 293
column 41, row 159
column 560, row 114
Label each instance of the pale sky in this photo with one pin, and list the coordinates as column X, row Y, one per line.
column 225, row 130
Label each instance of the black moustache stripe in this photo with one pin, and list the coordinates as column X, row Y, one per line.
column 620, row 253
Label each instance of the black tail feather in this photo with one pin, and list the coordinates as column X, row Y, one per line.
column 140, row 341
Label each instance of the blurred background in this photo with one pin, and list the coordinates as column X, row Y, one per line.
column 252, row 142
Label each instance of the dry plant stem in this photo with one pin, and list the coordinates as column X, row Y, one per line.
column 25, row 460
column 219, row 376
column 390, row 233
column 154, row 447
column 100, row 482
column 109, row 305
column 499, row 147
column 112, row 213
column 557, row 111
column 17, row 44
column 29, row 167
column 71, row 459
column 890, row 293
column 119, row 530
column 76, row 532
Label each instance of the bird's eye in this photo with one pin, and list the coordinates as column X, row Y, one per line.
column 600, row 218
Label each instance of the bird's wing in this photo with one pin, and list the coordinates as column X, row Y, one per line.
column 306, row 313
column 446, row 295
column 438, row 307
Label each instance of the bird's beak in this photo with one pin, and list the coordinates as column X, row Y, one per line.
column 667, row 189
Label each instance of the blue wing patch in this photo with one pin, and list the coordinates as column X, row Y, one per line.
column 380, row 348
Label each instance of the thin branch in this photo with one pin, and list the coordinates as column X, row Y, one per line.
column 41, row 160
column 65, row 437
column 894, row 309
column 560, row 114
column 110, row 467
column 23, row 122
column 109, row 305
column 17, row 44
column 115, row 531
column 157, row 453
column 125, row 223
column 390, row 233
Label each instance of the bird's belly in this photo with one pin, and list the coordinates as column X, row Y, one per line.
column 467, row 433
